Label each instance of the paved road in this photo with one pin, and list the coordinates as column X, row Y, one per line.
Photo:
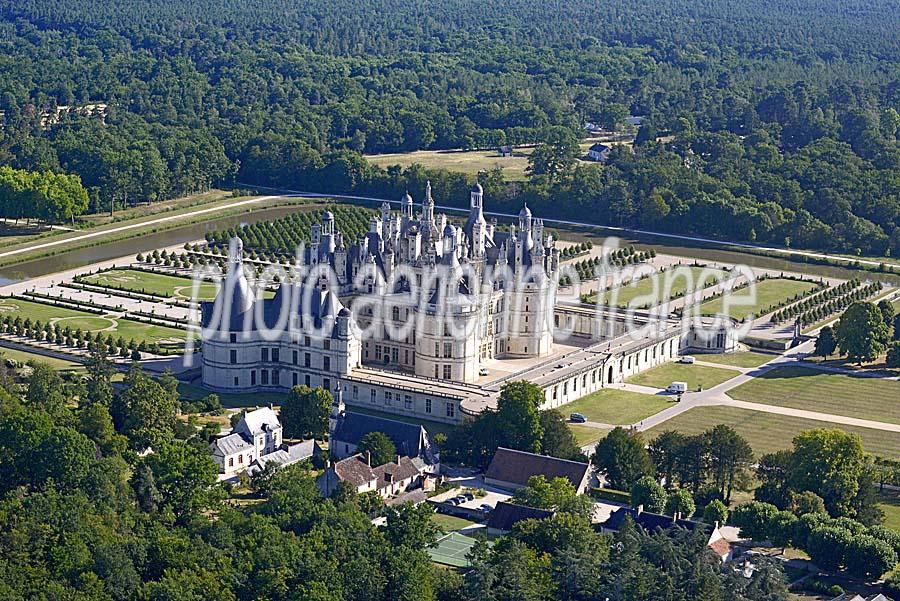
column 717, row 396
column 123, row 228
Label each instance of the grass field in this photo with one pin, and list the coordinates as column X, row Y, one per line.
column 813, row 390
column 116, row 326
column 694, row 375
column 470, row 162
column 450, row 523
column 18, row 307
column 768, row 292
column 768, row 432
column 587, row 434
column 25, row 357
column 889, row 502
column 157, row 284
column 738, row 359
column 616, row 407
column 654, row 290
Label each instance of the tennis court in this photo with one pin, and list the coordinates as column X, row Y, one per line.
column 452, row 550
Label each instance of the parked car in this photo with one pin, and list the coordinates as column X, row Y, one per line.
column 484, row 509
column 687, row 359
column 577, row 418
column 677, row 387
column 453, row 501
column 469, row 496
column 484, row 371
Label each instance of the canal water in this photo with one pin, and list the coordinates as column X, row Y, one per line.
column 132, row 246
column 707, row 253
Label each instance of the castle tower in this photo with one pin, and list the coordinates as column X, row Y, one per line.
column 406, row 208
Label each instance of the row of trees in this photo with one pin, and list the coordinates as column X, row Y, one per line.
column 832, row 543
column 709, row 465
column 283, row 235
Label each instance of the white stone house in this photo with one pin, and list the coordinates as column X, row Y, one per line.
column 257, row 435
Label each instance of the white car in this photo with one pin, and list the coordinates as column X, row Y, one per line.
column 687, row 359
column 677, row 387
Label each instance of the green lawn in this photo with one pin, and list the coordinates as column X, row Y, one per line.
column 450, row 523
column 889, row 502
column 768, row 292
column 26, row 309
column 157, row 284
column 738, row 359
column 654, row 290
column 616, row 407
column 25, row 357
column 587, row 434
column 231, row 401
column 768, row 432
column 116, row 326
column 813, row 390
column 695, row 375
column 129, row 329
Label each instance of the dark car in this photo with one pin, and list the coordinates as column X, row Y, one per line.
column 577, row 418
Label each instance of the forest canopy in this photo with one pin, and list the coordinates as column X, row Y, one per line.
column 779, row 120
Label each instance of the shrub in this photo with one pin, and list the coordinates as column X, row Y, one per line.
column 753, row 519
column 649, row 493
column 715, row 511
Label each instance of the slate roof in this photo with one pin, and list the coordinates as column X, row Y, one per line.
column 650, row 522
column 516, row 467
column 260, row 421
column 323, row 307
column 293, row 454
column 411, row 440
column 231, row 444
column 506, row 515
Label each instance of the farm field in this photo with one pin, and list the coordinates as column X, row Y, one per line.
column 695, row 375
column 738, row 359
column 768, row 292
column 768, row 432
column 74, row 319
column 616, row 407
column 157, row 284
column 679, row 281
column 813, row 390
